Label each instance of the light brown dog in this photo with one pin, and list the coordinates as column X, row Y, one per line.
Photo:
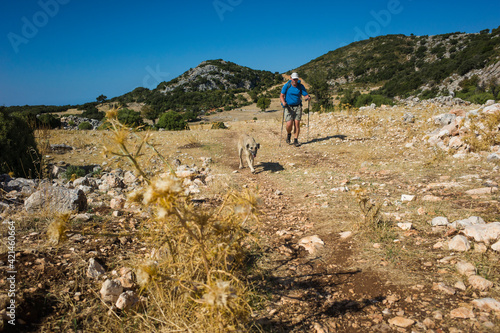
column 248, row 147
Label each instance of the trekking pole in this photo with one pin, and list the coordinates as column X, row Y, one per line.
column 308, row 111
column 282, row 122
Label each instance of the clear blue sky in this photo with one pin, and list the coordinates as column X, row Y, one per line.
column 59, row 52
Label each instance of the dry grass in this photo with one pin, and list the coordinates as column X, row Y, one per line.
column 194, row 281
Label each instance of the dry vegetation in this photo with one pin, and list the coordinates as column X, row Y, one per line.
column 210, row 265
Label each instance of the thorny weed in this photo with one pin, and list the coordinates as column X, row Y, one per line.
column 483, row 132
column 191, row 277
column 56, row 232
column 373, row 225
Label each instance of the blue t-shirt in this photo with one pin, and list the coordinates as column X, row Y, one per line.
column 292, row 96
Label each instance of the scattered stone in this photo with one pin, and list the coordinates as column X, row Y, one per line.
column 111, row 290
column 56, row 199
column 483, row 232
column 460, row 285
column 482, row 191
column 405, row 226
column 444, row 288
column 487, row 304
column 407, row 198
column 439, row 221
column 127, row 300
column 465, row 268
column 462, row 312
column 429, row 323
column 473, row 220
column 459, row 243
column 85, row 217
column 431, row 198
column 345, row 234
column 127, row 277
column 95, row 269
column 401, row 322
column 479, row 283
column 496, row 246
column 480, row 248
column 311, row 243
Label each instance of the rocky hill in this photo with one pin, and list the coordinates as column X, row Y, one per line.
column 219, row 75
column 402, row 65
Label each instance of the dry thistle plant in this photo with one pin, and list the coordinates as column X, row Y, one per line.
column 369, row 123
column 373, row 225
column 191, row 279
column 369, row 208
column 483, row 132
column 56, row 232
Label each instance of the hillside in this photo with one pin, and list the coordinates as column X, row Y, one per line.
column 210, row 85
column 399, row 65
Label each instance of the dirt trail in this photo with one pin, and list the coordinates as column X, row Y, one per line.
column 325, row 289
column 353, row 284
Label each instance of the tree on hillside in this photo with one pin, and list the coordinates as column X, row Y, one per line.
column 101, row 99
column 263, row 103
column 150, row 113
column 130, row 118
column 319, row 86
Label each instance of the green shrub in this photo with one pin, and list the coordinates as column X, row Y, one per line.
column 172, row 121
column 17, row 146
column 219, row 125
column 47, row 120
column 74, row 172
column 130, row 118
column 92, row 112
column 263, row 103
column 85, row 126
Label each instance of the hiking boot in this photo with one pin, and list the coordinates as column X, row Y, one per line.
column 288, row 137
column 296, row 143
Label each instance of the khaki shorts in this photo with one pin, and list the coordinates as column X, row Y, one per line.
column 293, row 112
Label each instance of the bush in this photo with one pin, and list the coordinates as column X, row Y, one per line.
column 130, row 118
column 47, row 120
column 74, row 172
column 172, row 121
column 17, row 146
column 219, row 125
column 98, row 115
column 85, row 126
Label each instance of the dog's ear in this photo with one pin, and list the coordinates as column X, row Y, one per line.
column 258, row 146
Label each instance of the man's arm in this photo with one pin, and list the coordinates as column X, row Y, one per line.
column 282, row 99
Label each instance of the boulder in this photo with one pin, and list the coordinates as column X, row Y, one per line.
column 459, row 243
column 111, row 290
column 57, row 199
column 479, row 283
column 483, row 232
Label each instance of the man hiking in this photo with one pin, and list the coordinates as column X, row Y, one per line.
column 291, row 100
